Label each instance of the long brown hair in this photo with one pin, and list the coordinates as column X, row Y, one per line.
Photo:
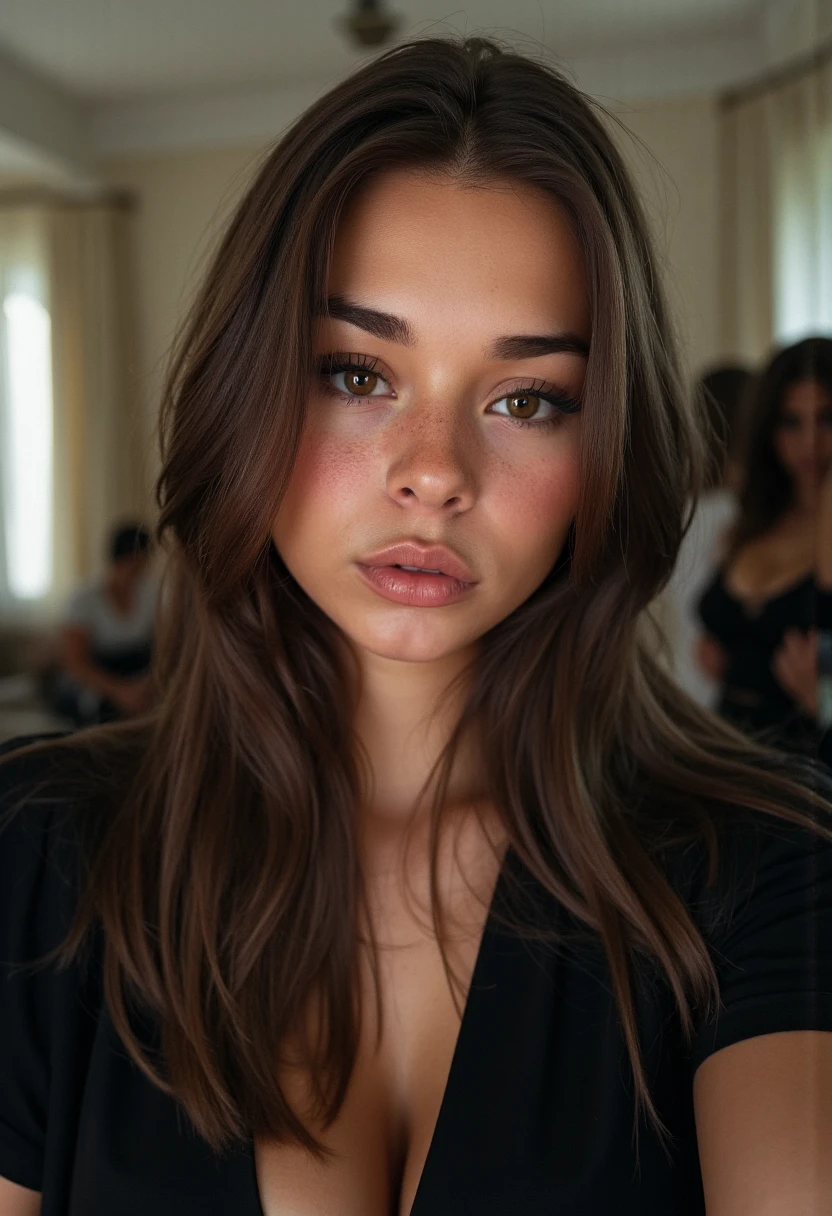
column 226, row 877
column 768, row 489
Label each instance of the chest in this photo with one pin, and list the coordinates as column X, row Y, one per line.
column 381, row 1137
column 534, row 1115
column 768, row 567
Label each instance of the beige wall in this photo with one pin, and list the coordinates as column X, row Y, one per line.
column 182, row 203
column 184, row 199
column 677, row 171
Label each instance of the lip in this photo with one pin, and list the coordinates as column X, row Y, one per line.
column 413, row 589
column 428, row 557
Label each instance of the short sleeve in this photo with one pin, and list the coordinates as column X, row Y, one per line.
column 36, row 877
column 773, row 948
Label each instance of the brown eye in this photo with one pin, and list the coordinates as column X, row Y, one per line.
column 360, row 383
column 523, row 405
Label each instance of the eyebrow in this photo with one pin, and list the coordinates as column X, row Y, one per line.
column 391, row 328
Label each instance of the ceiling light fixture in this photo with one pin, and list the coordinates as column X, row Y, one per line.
column 369, row 23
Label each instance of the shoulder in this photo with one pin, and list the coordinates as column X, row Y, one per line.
column 39, row 847
column 59, row 793
column 43, row 998
column 765, row 914
column 34, row 772
column 757, row 857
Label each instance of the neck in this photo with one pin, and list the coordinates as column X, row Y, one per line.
column 403, row 723
column 804, row 505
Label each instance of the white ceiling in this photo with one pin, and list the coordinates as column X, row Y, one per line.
column 83, row 80
column 106, row 50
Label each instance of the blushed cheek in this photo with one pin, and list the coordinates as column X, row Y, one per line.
column 540, row 506
column 327, row 475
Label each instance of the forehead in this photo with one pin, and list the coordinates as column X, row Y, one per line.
column 807, row 394
column 504, row 246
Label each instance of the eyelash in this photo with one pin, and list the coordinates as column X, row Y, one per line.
column 331, row 365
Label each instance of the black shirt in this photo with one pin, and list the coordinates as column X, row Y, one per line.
column 752, row 697
column 537, row 1115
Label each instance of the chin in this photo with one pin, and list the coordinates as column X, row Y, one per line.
column 410, row 641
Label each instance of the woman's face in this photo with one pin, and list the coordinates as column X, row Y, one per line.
column 438, row 436
column 803, row 435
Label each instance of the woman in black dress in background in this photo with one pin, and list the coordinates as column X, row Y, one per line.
column 760, row 610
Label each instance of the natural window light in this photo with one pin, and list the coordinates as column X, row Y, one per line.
column 803, row 235
column 27, row 443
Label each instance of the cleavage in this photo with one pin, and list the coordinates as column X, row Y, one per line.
column 383, row 1133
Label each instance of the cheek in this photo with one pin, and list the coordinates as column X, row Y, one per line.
column 787, row 445
column 535, row 505
column 325, row 477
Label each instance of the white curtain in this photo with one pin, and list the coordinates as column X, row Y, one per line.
column 72, row 460
column 26, row 413
column 101, row 450
column 801, row 119
column 776, row 238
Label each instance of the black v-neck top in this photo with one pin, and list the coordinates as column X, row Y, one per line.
column 537, row 1115
column 752, row 696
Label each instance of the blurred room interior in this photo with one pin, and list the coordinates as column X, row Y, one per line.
column 128, row 130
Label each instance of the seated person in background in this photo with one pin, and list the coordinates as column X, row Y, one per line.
column 107, row 635
column 719, row 395
column 759, row 610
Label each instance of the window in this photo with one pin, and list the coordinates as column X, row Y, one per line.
column 26, row 424
column 801, row 117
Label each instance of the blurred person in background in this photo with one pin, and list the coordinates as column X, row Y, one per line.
column 719, row 394
column 759, row 610
column 106, row 636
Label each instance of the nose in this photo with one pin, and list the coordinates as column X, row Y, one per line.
column 431, row 464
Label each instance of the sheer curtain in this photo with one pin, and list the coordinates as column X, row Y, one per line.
column 802, row 133
column 776, row 238
column 26, row 412
column 70, row 458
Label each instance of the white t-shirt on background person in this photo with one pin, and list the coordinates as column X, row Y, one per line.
column 112, row 635
column 111, row 631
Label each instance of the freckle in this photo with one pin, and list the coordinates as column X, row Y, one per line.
column 336, row 468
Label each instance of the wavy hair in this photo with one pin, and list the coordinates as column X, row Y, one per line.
column 225, row 875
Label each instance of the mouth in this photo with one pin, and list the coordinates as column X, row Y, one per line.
column 412, row 557
column 414, row 587
column 420, row 576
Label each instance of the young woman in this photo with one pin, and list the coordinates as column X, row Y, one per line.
column 420, row 890
column 760, row 610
